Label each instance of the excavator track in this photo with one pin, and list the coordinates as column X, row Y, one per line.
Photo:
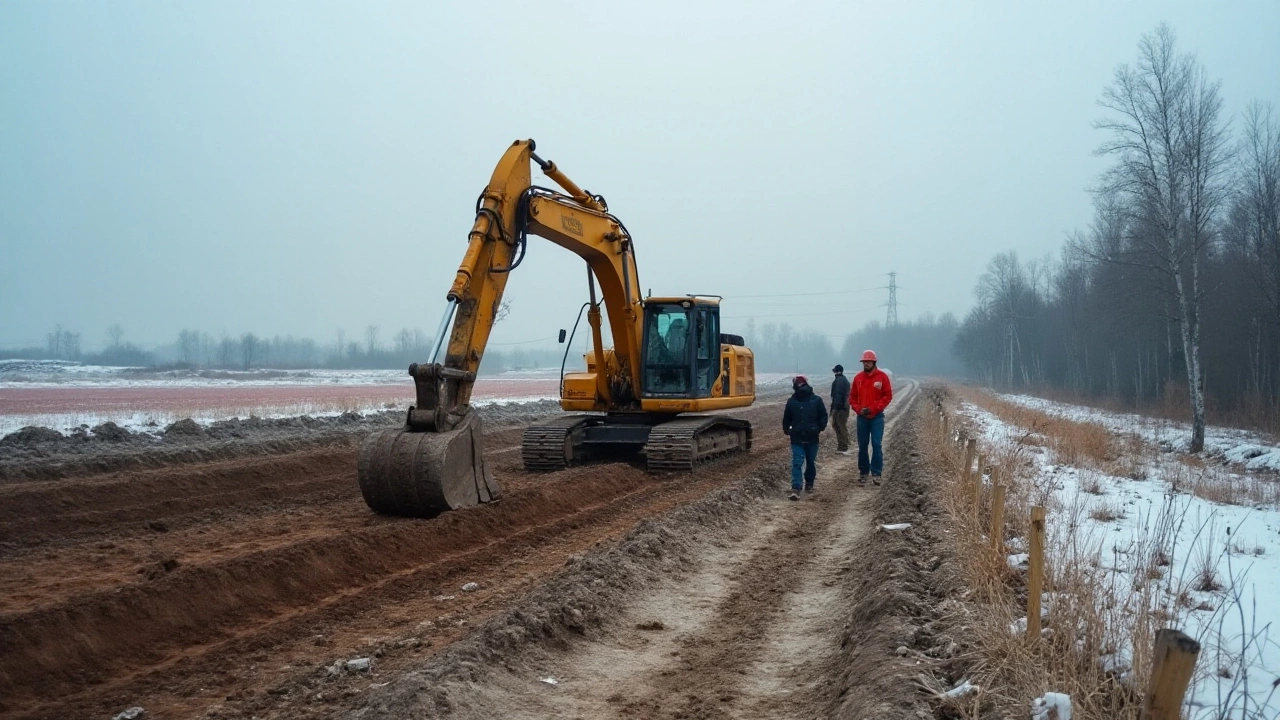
column 682, row 444
column 556, row 444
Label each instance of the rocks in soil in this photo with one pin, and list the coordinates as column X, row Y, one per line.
column 471, row 587
column 133, row 713
column 359, row 664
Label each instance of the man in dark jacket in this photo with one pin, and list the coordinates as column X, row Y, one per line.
column 840, row 409
column 803, row 420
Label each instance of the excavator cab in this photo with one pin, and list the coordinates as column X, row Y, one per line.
column 681, row 350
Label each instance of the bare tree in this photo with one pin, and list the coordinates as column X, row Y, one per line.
column 249, row 348
column 1169, row 142
column 1257, row 210
column 115, row 334
column 227, row 350
column 371, row 338
column 404, row 341
column 189, row 346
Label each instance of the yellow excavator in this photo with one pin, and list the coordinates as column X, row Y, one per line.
column 668, row 359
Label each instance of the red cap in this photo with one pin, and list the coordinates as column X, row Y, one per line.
column 799, row 380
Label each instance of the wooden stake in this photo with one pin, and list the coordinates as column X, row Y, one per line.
column 1035, row 577
column 997, row 511
column 970, row 447
column 977, row 489
column 1171, row 668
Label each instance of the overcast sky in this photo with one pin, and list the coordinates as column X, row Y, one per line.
column 303, row 167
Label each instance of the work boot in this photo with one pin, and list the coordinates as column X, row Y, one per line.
column 875, row 478
column 809, row 489
column 862, row 478
column 794, row 495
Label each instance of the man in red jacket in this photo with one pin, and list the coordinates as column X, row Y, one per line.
column 869, row 396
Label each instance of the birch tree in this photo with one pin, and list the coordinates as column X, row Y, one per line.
column 1169, row 142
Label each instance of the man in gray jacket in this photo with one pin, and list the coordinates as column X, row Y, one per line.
column 840, row 409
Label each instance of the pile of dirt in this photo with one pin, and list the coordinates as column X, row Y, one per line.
column 898, row 649
column 578, row 602
column 35, row 453
column 31, row 436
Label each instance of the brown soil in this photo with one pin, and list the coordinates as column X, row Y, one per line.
column 740, row 605
column 217, row 587
column 239, row 587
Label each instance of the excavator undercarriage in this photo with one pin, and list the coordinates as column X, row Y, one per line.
column 667, row 444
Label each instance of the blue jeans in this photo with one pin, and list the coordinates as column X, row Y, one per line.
column 803, row 455
column 870, row 429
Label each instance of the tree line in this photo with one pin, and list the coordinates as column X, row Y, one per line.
column 194, row 348
column 920, row 348
column 1173, row 292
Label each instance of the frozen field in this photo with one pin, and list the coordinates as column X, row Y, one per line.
column 64, row 395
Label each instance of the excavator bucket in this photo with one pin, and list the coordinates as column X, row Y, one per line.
column 422, row 474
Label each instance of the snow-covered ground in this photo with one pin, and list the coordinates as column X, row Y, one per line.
column 1250, row 449
column 1158, row 547
column 55, row 373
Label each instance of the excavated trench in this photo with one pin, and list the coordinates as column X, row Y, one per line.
column 239, row 587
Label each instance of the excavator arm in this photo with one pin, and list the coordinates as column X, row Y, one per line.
column 436, row 462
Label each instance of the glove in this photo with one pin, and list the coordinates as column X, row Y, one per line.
column 866, row 412
column 786, row 431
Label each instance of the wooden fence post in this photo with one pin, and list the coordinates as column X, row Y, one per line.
column 977, row 489
column 970, row 447
column 997, row 510
column 1035, row 575
column 1171, row 668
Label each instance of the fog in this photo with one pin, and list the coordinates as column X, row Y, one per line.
column 306, row 169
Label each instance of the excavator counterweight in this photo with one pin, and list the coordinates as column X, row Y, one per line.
column 668, row 358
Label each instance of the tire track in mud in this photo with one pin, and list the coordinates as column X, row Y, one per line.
column 753, row 631
column 261, row 579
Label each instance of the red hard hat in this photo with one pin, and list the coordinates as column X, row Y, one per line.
column 800, row 379
column 869, row 356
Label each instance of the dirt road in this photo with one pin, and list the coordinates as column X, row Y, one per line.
column 239, row 587
column 745, row 619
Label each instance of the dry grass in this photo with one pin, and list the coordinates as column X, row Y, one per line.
column 1092, row 447
column 1083, row 444
column 1091, row 617
column 1106, row 512
column 1221, row 485
column 1104, row 603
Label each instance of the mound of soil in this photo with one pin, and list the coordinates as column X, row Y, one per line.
column 185, row 428
column 35, row 453
column 111, row 432
column 31, row 436
column 898, row 641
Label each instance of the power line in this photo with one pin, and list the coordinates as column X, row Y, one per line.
column 791, row 315
column 810, row 294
